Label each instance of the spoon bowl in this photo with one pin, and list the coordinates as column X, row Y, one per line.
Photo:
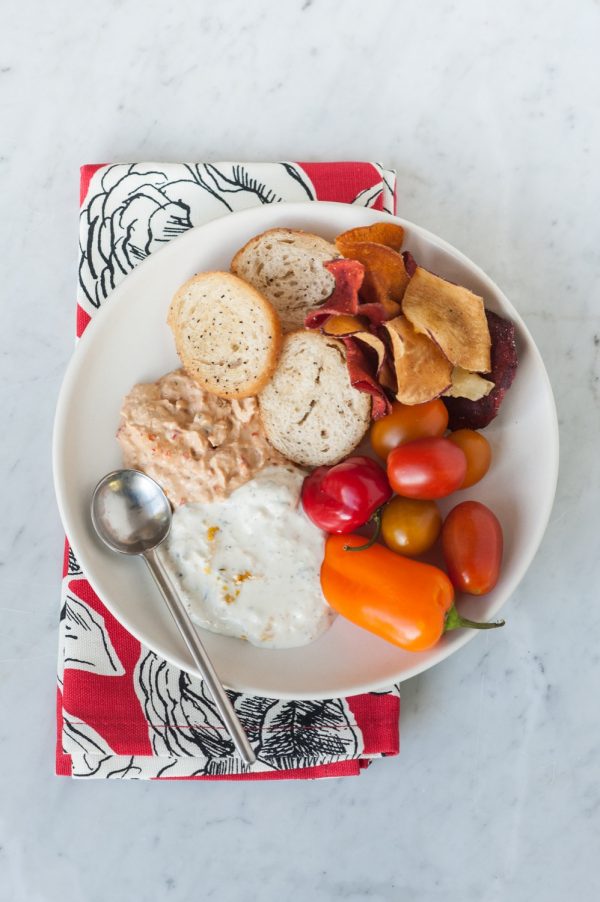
column 130, row 512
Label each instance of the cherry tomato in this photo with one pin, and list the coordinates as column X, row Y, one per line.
column 426, row 469
column 406, row 423
column 477, row 451
column 472, row 546
column 410, row 527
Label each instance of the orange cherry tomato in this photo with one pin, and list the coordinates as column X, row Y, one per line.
column 477, row 450
column 472, row 545
column 426, row 469
column 410, row 527
column 406, row 423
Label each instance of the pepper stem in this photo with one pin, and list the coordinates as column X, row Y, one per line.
column 376, row 519
column 455, row 621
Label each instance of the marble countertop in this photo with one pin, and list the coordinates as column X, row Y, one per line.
column 490, row 115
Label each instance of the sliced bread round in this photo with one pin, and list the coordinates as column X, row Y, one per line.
column 310, row 411
column 286, row 265
column 226, row 333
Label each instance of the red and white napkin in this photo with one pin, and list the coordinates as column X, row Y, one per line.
column 121, row 710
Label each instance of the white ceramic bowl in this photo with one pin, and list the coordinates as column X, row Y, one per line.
column 129, row 342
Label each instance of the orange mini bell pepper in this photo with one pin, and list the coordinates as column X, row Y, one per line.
column 406, row 602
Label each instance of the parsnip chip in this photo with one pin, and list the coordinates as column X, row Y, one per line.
column 387, row 377
column 422, row 371
column 468, row 385
column 452, row 316
column 372, row 341
column 380, row 262
column 387, row 233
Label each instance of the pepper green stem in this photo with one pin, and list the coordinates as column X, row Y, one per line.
column 376, row 519
column 455, row 621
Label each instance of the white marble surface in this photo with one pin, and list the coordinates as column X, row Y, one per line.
column 490, row 114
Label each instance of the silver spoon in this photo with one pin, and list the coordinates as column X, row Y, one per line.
column 132, row 515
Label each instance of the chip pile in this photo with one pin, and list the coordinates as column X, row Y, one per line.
column 411, row 335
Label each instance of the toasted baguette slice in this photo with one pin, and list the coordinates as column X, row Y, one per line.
column 226, row 333
column 286, row 265
column 310, row 411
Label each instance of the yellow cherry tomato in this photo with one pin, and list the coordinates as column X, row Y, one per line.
column 410, row 527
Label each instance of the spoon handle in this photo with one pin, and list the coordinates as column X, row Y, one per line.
column 198, row 652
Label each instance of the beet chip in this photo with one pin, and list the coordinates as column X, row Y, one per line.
column 363, row 379
column 344, row 300
column 409, row 262
column 348, row 275
column 464, row 414
column 375, row 313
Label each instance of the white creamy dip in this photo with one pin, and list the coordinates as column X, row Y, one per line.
column 248, row 566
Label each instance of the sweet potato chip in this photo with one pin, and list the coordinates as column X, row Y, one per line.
column 452, row 316
column 465, row 414
column 344, row 324
column 380, row 261
column 362, row 378
column 348, row 275
column 387, row 233
column 468, row 385
column 374, row 291
column 422, row 371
